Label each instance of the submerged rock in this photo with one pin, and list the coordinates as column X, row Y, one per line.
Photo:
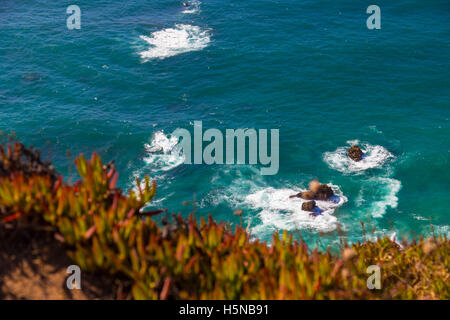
column 355, row 153
column 308, row 206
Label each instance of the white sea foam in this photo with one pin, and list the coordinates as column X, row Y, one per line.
column 375, row 129
column 442, row 230
column 274, row 208
column 279, row 212
column 419, row 217
column 385, row 195
column 163, row 153
column 194, row 7
column 234, row 183
column 375, row 157
column 173, row 41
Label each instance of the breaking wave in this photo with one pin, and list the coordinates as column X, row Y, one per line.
column 173, row 41
column 163, row 153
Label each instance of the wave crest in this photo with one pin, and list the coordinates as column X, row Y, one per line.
column 163, row 152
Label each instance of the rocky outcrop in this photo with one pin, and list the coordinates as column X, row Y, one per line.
column 307, row 195
column 355, row 153
column 324, row 192
column 317, row 191
column 308, row 206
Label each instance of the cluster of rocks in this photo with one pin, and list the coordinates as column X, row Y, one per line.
column 355, row 153
column 317, row 191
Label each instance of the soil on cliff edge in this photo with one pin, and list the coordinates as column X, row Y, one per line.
column 33, row 266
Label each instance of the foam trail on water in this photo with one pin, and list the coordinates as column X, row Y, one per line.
column 388, row 197
column 420, row 218
column 278, row 212
column 375, row 157
column 233, row 184
column 194, row 7
column 379, row 193
column 173, row 41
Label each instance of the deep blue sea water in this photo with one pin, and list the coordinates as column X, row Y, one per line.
column 137, row 70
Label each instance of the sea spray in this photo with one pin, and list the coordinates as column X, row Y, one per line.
column 169, row 42
column 163, row 153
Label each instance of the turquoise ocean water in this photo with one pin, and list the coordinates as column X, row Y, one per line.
column 137, row 70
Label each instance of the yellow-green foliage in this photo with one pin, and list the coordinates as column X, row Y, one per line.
column 105, row 231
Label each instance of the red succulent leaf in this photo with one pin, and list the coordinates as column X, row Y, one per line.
column 165, row 289
column 90, row 232
column 113, row 182
column 11, row 217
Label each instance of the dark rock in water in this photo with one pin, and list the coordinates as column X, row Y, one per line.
column 308, row 195
column 317, row 191
column 308, row 206
column 324, row 192
column 355, row 153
